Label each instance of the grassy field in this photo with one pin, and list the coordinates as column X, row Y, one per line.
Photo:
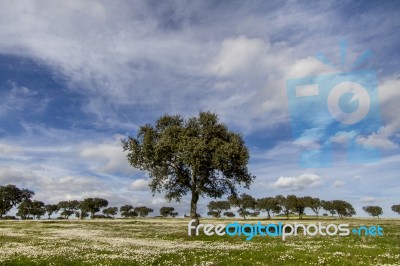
column 156, row 241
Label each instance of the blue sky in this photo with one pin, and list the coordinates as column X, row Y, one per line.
column 77, row 76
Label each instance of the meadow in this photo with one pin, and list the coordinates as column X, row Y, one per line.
column 164, row 241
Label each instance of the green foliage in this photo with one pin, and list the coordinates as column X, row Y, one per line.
column 314, row 204
column 110, row 211
column 31, row 209
column 93, row 205
column 11, row 196
column 143, row 211
column 328, row 206
column 168, row 211
column 343, row 208
column 297, row 204
column 373, row 210
column 396, row 208
column 213, row 214
column 68, row 207
column 216, row 207
column 268, row 204
column 229, row 214
column 127, row 211
column 51, row 208
column 199, row 156
column 254, row 214
column 284, row 204
column 243, row 202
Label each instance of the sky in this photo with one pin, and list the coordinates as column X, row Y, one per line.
column 77, row 76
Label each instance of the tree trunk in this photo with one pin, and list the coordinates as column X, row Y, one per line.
column 269, row 215
column 193, row 212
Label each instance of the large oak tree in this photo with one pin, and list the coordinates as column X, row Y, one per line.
column 10, row 196
column 197, row 156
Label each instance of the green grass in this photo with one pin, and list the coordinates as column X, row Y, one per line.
column 157, row 241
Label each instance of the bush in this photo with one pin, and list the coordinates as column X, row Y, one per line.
column 9, row 217
column 101, row 216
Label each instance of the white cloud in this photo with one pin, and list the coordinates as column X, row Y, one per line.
column 338, row 183
column 369, row 200
column 309, row 66
column 10, row 176
column 140, row 184
column 107, row 157
column 6, row 149
column 379, row 140
column 240, row 55
column 301, row 182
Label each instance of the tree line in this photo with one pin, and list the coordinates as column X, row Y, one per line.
column 28, row 208
column 249, row 206
column 246, row 205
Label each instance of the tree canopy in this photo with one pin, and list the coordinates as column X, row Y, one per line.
column 216, row 207
column 373, row 210
column 168, row 211
column 143, row 211
column 198, row 155
column 127, row 211
column 11, row 196
column 267, row 204
column 243, row 202
column 396, row 208
column 93, row 205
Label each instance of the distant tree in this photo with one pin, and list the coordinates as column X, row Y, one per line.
column 373, row 210
column 243, row 213
column 242, row 202
column 110, row 211
column 11, row 196
column 68, row 207
column 93, row 205
column 143, row 211
column 396, row 208
column 329, row 206
column 229, row 214
column 284, row 204
column 31, row 209
column 314, row 204
column 213, row 214
column 276, row 210
column 254, row 214
column 267, row 204
column 24, row 209
column 51, row 208
column 343, row 208
column 297, row 204
column 81, row 214
column 127, row 211
column 37, row 209
column 197, row 156
column 216, row 207
column 168, row 211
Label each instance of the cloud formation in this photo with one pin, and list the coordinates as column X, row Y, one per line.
column 296, row 183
